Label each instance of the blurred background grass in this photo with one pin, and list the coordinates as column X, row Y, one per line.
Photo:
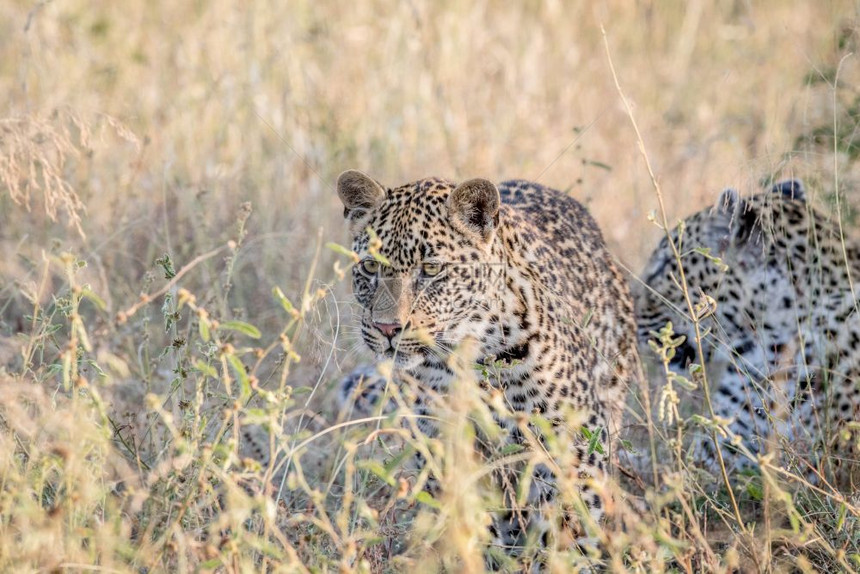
column 194, row 108
column 133, row 129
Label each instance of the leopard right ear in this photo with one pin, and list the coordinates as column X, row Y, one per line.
column 738, row 220
column 360, row 195
column 791, row 189
column 474, row 209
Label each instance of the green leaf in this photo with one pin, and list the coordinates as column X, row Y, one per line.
column 96, row 367
column 244, row 381
column 67, row 370
column 256, row 417
column 282, row 299
column 341, row 250
column 587, row 319
column 206, row 369
column 755, row 491
column 167, row 266
column 240, row 327
column 203, row 327
column 599, row 164
column 425, row 497
column 593, row 440
column 524, row 483
column 374, row 467
column 373, row 247
column 682, row 381
column 628, row 446
column 381, row 258
column 512, row 448
column 88, row 294
column 170, row 315
column 706, row 253
column 398, row 460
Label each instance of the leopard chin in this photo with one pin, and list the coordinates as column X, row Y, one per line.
column 403, row 361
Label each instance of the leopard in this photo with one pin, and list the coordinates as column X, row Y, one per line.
column 519, row 273
column 363, row 392
column 772, row 281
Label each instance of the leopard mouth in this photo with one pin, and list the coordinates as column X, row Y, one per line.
column 392, row 352
column 408, row 349
column 402, row 359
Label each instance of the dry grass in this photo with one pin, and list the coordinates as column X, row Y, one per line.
column 211, row 132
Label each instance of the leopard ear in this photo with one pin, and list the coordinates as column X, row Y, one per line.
column 474, row 208
column 738, row 221
column 360, row 195
column 728, row 203
column 791, row 189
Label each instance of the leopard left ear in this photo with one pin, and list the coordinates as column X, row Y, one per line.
column 360, row 195
column 474, row 208
column 728, row 203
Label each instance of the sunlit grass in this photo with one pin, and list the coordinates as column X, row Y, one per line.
column 172, row 322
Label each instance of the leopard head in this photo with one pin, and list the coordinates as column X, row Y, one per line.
column 427, row 262
column 718, row 247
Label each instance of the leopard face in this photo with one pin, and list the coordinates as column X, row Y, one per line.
column 426, row 269
column 703, row 244
column 724, row 254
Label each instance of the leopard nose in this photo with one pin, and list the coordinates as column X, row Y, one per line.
column 389, row 329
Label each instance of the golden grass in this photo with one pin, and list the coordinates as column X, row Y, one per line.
column 133, row 130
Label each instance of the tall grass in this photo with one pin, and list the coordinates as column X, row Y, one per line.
column 172, row 322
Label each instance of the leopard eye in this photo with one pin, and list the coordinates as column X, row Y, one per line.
column 431, row 269
column 370, row 266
